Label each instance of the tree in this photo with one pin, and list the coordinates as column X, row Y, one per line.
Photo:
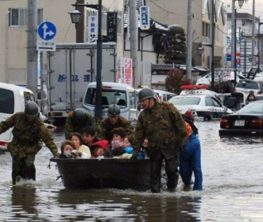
column 175, row 80
column 175, row 47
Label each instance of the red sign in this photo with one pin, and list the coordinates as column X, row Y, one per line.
column 125, row 72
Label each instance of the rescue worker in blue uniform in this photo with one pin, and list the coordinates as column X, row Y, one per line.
column 163, row 126
column 190, row 157
column 28, row 133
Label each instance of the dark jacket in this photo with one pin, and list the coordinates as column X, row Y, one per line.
column 107, row 127
column 70, row 127
column 27, row 136
column 164, row 128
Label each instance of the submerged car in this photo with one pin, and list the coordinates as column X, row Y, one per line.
column 206, row 106
column 247, row 121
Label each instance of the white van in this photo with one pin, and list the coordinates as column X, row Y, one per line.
column 163, row 95
column 12, row 99
column 112, row 93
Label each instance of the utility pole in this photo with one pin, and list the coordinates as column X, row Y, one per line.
column 189, row 40
column 134, row 41
column 253, row 34
column 31, row 46
column 233, row 38
column 212, row 44
column 98, row 105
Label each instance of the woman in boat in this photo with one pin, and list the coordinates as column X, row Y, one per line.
column 78, row 145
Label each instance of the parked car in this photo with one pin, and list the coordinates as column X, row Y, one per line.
column 206, row 106
column 234, row 100
column 247, row 121
column 220, row 76
column 112, row 93
column 247, row 85
column 163, row 95
column 12, row 99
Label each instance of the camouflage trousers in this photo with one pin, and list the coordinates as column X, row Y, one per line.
column 23, row 168
column 171, row 170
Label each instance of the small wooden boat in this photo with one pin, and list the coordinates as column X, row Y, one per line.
column 105, row 173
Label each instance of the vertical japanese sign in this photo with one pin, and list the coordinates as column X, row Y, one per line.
column 144, row 17
column 92, row 28
column 112, row 26
column 125, row 72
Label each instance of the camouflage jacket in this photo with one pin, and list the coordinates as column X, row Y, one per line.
column 70, row 127
column 27, row 136
column 107, row 127
column 162, row 125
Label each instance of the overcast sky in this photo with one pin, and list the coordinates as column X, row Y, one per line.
column 247, row 7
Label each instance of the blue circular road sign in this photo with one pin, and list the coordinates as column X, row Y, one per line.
column 47, row 30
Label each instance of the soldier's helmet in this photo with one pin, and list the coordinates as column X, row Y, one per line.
column 78, row 117
column 114, row 110
column 145, row 93
column 31, row 109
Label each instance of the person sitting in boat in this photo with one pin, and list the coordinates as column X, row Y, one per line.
column 115, row 120
column 77, row 121
column 121, row 144
column 89, row 136
column 78, row 145
column 190, row 156
column 100, row 149
column 67, row 150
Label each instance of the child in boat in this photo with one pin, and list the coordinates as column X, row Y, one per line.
column 121, row 143
column 89, row 136
column 99, row 149
column 78, row 145
column 67, row 150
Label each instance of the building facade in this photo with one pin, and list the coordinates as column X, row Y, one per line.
column 13, row 36
column 244, row 38
column 13, row 26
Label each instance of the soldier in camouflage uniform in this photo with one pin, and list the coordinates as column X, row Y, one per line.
column 163, row 126
column 28, row 133
column 77, row 121
column 114, row 120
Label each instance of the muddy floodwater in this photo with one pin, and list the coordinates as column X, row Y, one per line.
column 233, row 189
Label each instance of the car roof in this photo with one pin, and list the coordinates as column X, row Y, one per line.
column 14, row 87
column 112, row 84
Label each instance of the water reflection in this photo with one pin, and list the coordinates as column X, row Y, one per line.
column 233, row 178
column 24, row 201
column 241, row 140
column 108, row 204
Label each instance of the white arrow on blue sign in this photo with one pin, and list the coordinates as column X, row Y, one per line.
column 47, row 30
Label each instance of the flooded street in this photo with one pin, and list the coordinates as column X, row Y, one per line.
column 233, row 190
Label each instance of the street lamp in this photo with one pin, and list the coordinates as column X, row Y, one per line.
column 234, row 37
column 75, row 18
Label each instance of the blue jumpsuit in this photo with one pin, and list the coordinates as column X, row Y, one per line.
column 190, row 161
